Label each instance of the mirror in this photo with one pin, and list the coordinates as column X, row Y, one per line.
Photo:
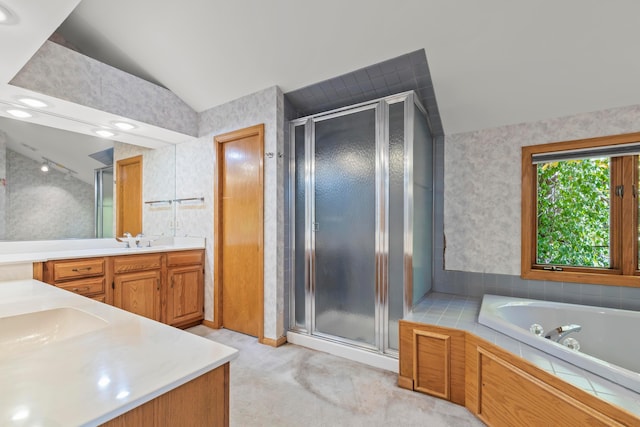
column 65, row 202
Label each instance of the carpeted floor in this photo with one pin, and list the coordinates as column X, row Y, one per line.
column 296, row 386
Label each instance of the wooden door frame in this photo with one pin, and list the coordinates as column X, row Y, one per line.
column 217, row 226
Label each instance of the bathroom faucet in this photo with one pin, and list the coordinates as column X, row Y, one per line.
column 562, row 331
column 127, row 235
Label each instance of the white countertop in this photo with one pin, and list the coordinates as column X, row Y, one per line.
column 91, row 378
column 40, row 251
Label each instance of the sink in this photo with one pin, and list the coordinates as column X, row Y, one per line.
column 31, row 331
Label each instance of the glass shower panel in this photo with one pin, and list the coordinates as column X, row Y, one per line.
column 107, row 203
column 299, row 232
column 345, row 176
column 104, row 202
column 396, row 221
column 422, row 206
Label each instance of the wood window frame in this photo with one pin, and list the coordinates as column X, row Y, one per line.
column 624, row 217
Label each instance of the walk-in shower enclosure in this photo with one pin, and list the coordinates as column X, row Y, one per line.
column 361, row 196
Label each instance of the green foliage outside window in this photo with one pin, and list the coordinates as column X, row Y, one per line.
column 574, row 213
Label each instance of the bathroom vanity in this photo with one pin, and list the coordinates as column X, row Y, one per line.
column 164, row 283
column 100, row 365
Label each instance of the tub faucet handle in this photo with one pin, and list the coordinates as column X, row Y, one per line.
column 537, row 329
column 562, row 331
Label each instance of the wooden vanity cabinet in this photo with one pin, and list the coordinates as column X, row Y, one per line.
column 137, row 281
column 203, row 401
column 167, row 287
column 185, row 288
column 84, row 276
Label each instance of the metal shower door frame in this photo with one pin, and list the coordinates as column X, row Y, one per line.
column 381, row 107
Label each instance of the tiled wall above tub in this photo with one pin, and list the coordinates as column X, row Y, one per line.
column 478, row 284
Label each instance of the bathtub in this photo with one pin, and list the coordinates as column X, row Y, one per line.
column 609, row 346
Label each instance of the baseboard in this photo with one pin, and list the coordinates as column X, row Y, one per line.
column 405, row 382
column 210, row 324
column 274, row 343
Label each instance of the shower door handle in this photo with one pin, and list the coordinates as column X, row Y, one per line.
column 316, row 226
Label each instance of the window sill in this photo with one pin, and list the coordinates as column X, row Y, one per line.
column 603, row 278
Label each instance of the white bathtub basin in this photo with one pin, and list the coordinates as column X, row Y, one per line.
column 608, row 343
column 31, row 331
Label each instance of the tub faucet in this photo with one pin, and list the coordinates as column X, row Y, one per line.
column 562, row 331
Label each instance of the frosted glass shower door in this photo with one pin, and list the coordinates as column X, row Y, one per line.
column 344, row 224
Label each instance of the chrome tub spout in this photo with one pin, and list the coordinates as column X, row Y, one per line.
column 562, row 331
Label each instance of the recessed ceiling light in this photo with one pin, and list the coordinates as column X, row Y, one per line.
column 104, row 133
column 21, row 114
column 124, row 125
column 7, row 17
column 35, row 103
column 44, row 167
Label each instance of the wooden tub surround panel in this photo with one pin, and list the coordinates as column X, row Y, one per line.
column 501, row 389
column 425, row 352
column 433, row 349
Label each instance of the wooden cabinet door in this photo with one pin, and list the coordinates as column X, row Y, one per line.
column 432, row 360
column 185, row 295
column 138, row 293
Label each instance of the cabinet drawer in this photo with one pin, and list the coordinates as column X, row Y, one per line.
column 184, row 258
column 65, row 270
column 125, row 264
column 84, row 287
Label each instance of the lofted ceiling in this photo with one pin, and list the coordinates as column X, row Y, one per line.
column 492, row 63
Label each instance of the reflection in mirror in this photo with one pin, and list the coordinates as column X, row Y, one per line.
column 74, row 198
column 158, row 183
column 104, row 201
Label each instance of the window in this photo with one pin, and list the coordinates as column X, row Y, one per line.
column 580, row 211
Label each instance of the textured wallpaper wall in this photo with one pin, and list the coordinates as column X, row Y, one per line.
column 194, row 178
column 47, row 206
column 482, row 175
column 60, row 72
